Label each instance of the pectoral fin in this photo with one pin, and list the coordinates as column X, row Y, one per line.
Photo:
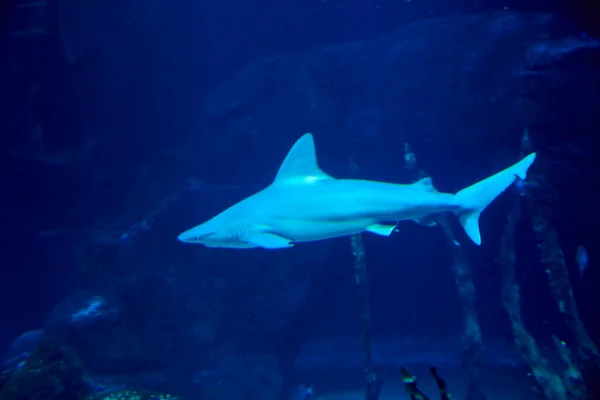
column 270, row 240
column 380, row 229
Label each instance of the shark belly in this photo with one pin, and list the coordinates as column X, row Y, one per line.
column 308, row 231
column 336, row 208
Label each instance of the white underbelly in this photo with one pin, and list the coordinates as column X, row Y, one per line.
column 308, row 231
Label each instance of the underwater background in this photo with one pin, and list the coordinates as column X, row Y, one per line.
column 124, row 123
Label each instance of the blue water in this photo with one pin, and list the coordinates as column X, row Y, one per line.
column 125, row 123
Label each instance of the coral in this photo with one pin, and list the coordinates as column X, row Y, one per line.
column 22, row 347
column 133, row 395
column 54, row 372
column 410, row 384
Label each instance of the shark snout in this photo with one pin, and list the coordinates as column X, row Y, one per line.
column 190, row 236
column 184, row 237
column 197, row 234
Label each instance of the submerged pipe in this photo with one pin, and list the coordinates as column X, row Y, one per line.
column 472, row 345
column 540, row 208
column 373, row 381
column 412, row 388
column 570, row 383
column 373, row 387
column 551, row 384
column 553, row 260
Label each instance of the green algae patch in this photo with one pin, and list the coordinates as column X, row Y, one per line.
column 133, row 395
column 53, row 371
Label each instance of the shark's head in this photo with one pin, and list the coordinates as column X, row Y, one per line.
column 244, row 225
column 198, row 234
column 214, row 234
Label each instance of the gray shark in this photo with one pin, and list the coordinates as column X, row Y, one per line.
column 304, row 204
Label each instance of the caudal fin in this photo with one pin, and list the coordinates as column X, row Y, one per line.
column 474, row 199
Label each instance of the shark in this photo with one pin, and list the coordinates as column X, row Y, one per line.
column 304, row 204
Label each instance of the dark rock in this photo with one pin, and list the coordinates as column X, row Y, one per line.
column 105, row 384
column 53, row 371
column 180, row 330
column 455, row 81
column 81, row 311
column 22, row 347
column 108, row 330
column 231, row 374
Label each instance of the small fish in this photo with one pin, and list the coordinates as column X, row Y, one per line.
column 410, row 160
column 581, row 257
column 526, row 144
column 520, row 185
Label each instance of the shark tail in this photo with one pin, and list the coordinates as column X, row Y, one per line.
column 475, row 198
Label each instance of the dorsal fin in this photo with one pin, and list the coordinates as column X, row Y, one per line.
column 300, row 165
column 426, row 184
